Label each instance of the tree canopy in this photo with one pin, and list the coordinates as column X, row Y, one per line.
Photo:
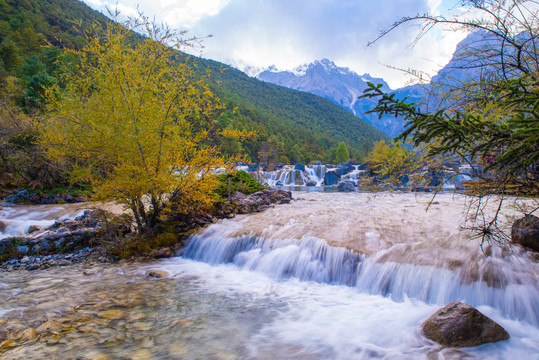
column 491, row 117
column 341, row 153
column 134, row 123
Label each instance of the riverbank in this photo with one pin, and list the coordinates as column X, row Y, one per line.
column 94, row 236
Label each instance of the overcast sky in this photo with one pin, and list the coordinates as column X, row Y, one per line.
column 289, row 33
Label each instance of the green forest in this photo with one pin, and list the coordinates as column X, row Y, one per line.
column 291, row 126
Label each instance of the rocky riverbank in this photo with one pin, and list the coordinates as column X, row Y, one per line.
column 27, row 197
column 91, row 236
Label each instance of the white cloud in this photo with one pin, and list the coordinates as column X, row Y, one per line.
column 288, row 33
column 186, row 13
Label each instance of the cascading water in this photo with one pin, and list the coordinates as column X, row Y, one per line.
column 307, row 259
column 289, row 176
column 409, row 255
column 15, row 220
column 314, row 176
column 515, row 294
column 329, row 276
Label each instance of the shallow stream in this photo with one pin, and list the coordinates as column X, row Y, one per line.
column 331, row 276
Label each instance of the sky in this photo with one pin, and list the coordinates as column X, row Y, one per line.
column 290, row 33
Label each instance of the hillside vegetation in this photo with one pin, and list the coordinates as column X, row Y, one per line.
column 309, row 126
column 292, row 126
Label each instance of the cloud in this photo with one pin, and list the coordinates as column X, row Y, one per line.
column 289, row 33
column 186, row 13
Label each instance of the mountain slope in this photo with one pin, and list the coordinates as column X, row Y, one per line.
column 292, row 112
column 337, row 84
column 295, row 126
column 343, row 86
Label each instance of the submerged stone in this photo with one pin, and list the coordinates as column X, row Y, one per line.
column 156, row 274
column 461, row 325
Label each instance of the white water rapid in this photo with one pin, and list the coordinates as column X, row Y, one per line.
column 386, row 259
column 16, row 219
column 330, row 276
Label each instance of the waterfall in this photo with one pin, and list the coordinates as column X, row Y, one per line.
column 312, row 259
column 314, row 173
column 308, row 259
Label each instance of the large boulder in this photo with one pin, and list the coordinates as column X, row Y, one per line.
column 344, row 168
column 525, row 232
column 364, row 166
column 300, row 167
column 461, row 325
column 330, row 178
column 346, row 186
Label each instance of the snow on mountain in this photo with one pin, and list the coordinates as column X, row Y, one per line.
column 343, row 86
column 340, row 85
column 250, row 70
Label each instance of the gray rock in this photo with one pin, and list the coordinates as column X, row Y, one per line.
column 461, row 325
column 346, row 186
column 331, row 178
column 58, row 244
column 23, row 249
column 525, row 232
column 300, row 167
column 164, row 252
column 311, row 183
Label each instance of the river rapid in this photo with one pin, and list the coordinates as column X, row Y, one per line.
column 329, row 276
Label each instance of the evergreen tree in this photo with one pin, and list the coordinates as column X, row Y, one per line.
column 341, row 153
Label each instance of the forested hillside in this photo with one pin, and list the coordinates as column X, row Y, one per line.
column 307, row 125
column 292, row 126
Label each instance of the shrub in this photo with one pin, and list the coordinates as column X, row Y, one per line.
column 237, row 181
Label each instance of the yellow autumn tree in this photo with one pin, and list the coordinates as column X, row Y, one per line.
column 133, row 121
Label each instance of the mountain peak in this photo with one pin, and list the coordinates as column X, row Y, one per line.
column 338, row 84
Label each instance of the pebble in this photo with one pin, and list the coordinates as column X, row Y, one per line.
column 112, row 314
column 89, row 255
column 142, row 354
column 27, row 335
column 156, row 274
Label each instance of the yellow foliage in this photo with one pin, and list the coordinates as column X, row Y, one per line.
column 133, row 122
column 389, row 161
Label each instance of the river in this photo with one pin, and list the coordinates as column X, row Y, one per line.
column 329, row 276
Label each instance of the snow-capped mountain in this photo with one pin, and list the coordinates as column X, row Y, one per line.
column 337, row 84
column 473, row 58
